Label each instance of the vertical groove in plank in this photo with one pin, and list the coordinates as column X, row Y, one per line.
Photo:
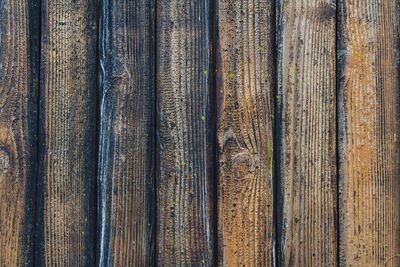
column 245, row 80
column 18, row 124
column 67, row 133
column 307, row 107
column 369, row 133
column 184, row 134
column 126, row 215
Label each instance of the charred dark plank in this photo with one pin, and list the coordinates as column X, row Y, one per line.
column 184, row 134
column 126, row 204
column 245, row 89
column 307, row 226
column 369, row 113
column 67, row 132
column 19, row 68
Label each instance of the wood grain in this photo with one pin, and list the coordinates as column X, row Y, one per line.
column 307, row 221
column 126, row 205
column 19, row 56
column 184, row 134
column 369, row 133
column 245, row 89
column 67, row 134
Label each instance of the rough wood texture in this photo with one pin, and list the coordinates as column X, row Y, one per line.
column 245, row 80
column 369, row 133
column 18, row 101
column 307, row 220
column 184, row 134
column 126, row 211
column 67, row 133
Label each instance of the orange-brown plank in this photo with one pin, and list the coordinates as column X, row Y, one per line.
column 18, row 101
column 369, row 133
column 307, row 216
column 67, row 133
column 184, row 134
column 245, row 74
column 126, row 209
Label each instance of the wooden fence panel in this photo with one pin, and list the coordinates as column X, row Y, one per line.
column 185, row 231
column 245, row 91
column 126, row 205
column 369, row 133
column 307, row 215
column 222, row 133
column 67, row 134
column 19, row 45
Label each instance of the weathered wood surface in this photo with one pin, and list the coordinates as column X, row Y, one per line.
column 307, row 215
column 66, row 222
column 222, row 133
column 369, row 133
column 185, row 235
column 126, row 205
column 18, row 123
column 245, row 90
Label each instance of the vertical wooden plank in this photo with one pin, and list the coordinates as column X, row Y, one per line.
column 18, row 124
column 369, row 133
column 245, row 90
column 307, row 118
column 184, row 133
column 67, row 133
column 126, row 211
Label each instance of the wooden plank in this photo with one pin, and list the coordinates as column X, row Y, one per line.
column 67, row 133
column 184, row 133
column 245, row 91
column 369, row 111
column 126, row 206
column 307, row 226
column 19, row 56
